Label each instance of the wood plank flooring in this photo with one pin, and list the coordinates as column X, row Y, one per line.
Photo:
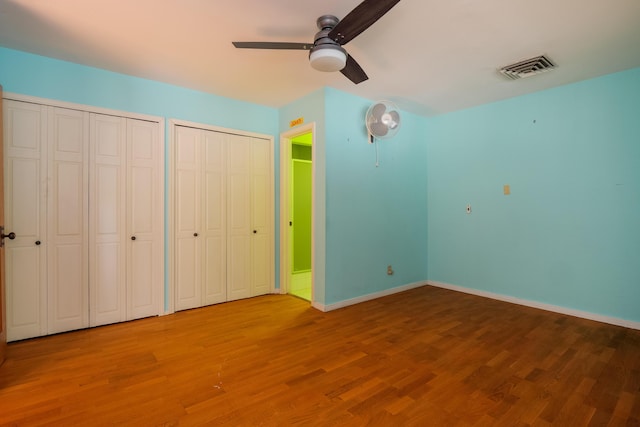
column 425, row 357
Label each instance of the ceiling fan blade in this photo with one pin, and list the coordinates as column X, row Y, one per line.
column 359, row 19
column 353, row 71
column 273, row 45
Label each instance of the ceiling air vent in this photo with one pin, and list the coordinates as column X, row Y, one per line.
column 528, row 67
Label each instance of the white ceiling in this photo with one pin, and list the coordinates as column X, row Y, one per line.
column 429, row 56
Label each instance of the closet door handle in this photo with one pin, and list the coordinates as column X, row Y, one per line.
column 195, row 234
column 133, row 237
column 11, row 235
column 255, row 231
column 38, row 242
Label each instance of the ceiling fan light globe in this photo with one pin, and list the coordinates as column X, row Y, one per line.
column 328, row 59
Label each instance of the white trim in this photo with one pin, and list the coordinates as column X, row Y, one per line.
column 177, row 122
column 285, row 159
column 83, row 107
column 171, row 294
column 368, row 297
column 539, row 305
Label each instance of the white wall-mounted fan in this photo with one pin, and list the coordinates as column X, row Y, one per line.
column 382, row 120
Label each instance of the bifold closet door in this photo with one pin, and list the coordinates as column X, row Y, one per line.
column 187, row 218
column 107, row 233
column 145, row 219
column 213, row 221
column 200, row 218
column 126, row 220
column 68, row 220
column 250, row 218
column 25, row 157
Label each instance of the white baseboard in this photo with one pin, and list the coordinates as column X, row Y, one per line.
column 368, row 297
column 542, row 306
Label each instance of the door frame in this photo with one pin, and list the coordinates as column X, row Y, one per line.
column 286, row 139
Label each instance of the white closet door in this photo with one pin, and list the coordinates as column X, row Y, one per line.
column 238, row 217
column 25, row 155
column 187, row 218
column 213, row 224
column 261, row 218
column 107, row 264
column 144, row 219
column 67, row 228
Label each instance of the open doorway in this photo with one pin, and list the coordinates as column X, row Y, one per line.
column 297, row 212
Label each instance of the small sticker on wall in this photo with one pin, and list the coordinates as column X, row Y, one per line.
column 296, row 122
column 507, row 190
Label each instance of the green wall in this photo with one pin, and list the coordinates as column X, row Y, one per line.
column 301, row 192
column 569, row 234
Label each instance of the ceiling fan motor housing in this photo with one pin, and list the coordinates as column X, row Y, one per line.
column 326, row 54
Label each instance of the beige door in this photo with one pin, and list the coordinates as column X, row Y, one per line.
column 250, row 217
column 25, row 152
column 145, row 219
column 200, row 218
column 223, row 221
column 3, row 327
column 68, row 220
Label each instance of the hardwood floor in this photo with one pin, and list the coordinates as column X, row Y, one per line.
column 425, row 357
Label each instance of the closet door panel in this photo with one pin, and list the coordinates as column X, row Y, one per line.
column 144, row 219
column 187, row 219
column 214, row 231
column 68, row 294
column 25, row 154
column 238, row 217
column 107, row 276
column 261, row 218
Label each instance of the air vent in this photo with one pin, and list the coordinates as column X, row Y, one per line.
column 528, row 68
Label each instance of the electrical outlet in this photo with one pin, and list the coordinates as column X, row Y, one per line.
column 469, row 209
column 389, row 270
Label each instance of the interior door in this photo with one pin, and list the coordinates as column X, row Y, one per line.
column 3, row 323
column 261, row 218
column 107, row 263
column 144, row 219
column 214, row 270
column 239, row 217
column 25, row 190
column 187, row 219
column 68, row 222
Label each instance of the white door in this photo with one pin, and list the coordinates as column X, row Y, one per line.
column 214, row 238
column 187, row 218
column 67, row 228
column 25, row 156
column 239, row 217
column 262, row 258
column 223, row 223
column 107, row 263
column 145, row 213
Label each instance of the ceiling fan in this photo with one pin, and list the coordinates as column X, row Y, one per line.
column 326, row 52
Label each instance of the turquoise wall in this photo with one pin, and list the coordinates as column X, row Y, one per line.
column 375, row 216
column 43, row 77
column 569, row 233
